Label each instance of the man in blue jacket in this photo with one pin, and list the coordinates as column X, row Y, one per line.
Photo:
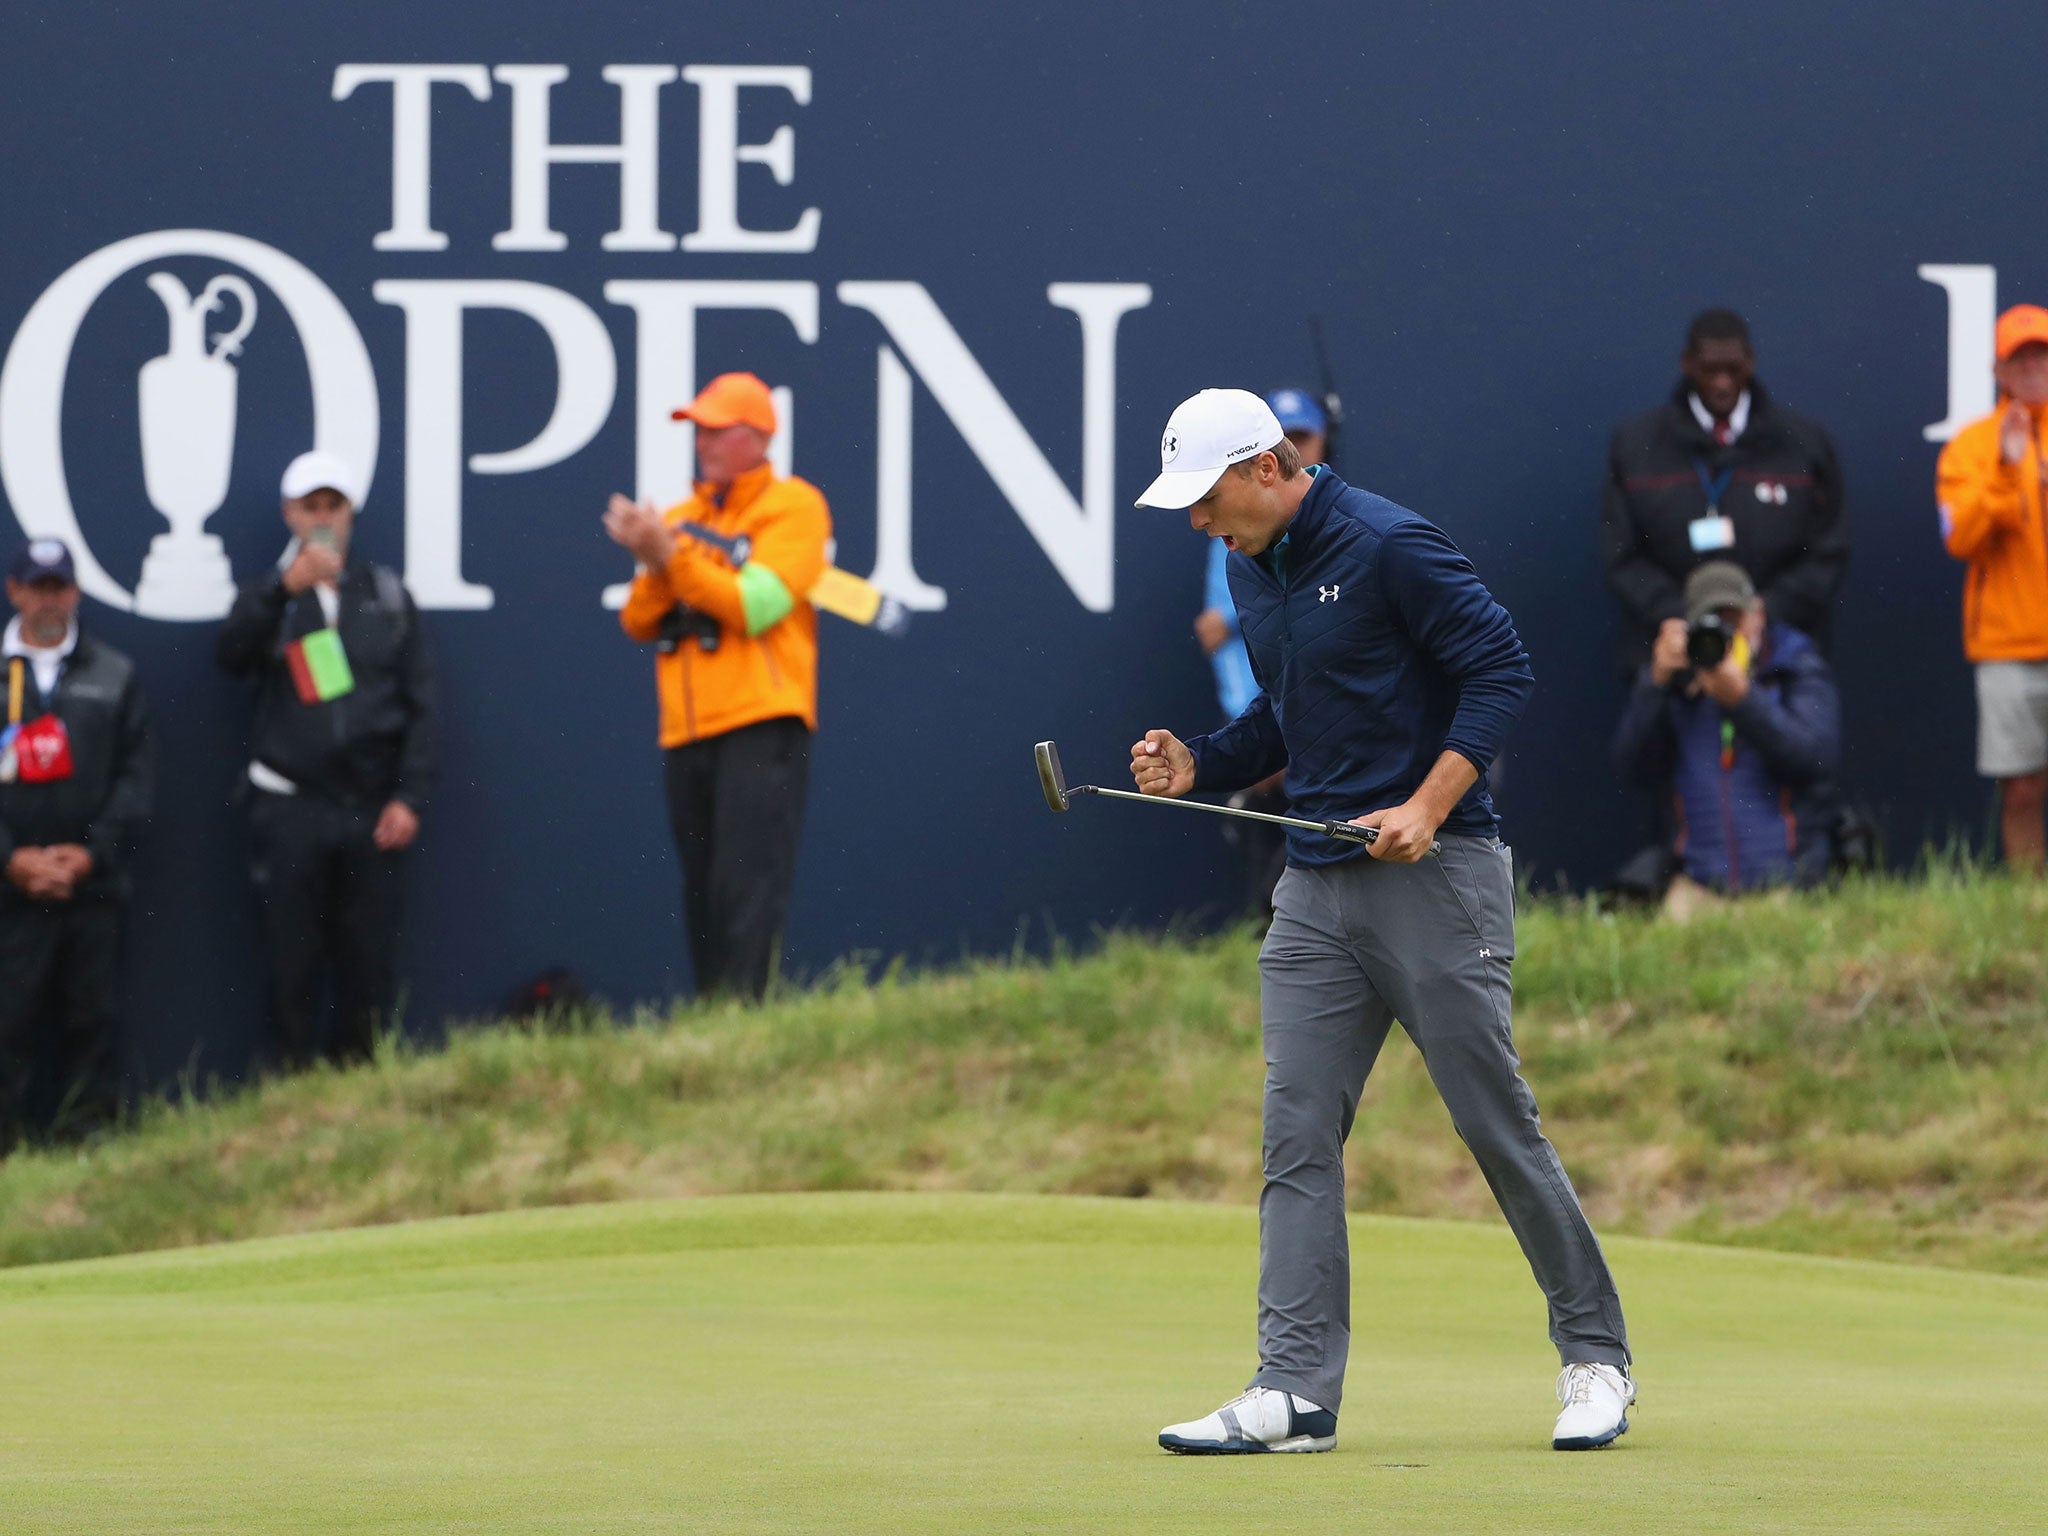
column 1390, row 676
column 1749, row 742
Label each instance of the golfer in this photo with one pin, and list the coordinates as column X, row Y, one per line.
column 1389, row 676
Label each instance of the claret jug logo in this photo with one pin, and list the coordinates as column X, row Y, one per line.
column 186, row 406
column 217, row 290
column 187, row 401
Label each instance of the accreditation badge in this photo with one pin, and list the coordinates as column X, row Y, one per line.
column 10, row 762
column 1710, row 533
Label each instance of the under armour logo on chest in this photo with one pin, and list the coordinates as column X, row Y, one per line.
column 1326, row 594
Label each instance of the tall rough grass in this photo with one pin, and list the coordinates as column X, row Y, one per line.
column 1864, row 1072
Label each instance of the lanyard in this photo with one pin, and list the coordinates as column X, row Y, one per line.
column 1715, row 486
column 15, row 667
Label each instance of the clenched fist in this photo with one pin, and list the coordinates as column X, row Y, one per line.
column 1162, row 765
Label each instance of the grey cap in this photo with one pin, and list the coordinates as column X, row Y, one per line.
column 1716, row 585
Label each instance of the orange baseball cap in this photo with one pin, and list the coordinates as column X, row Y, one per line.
column 737, row 397
column 2018, row 326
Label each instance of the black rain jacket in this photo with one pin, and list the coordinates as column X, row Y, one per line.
column 368, row 747
column 104, row 806
column 1784, row 497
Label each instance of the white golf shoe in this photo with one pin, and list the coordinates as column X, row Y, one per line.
column 1596, row 1399
column 1264, row 1419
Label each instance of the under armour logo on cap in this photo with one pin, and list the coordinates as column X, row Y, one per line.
column 1206, row 434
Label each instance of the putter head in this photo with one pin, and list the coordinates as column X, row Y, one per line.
column 1050, row 777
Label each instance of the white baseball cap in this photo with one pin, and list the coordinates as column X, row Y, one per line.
column 317, row 471
column 1205, row 435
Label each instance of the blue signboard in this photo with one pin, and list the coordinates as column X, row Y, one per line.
column 481, row 251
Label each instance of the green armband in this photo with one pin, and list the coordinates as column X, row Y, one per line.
column 763, row 598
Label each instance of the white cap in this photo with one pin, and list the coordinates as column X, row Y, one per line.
column 317, row 471
column 1205, row 435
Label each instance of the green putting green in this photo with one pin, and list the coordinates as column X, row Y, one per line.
column 978, row 1364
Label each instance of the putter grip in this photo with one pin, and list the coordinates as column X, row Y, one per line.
column 1351, row 832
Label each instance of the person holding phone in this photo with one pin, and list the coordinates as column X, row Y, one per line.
column 342, row 753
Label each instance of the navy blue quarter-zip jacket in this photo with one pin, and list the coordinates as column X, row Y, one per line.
column 1378, row 648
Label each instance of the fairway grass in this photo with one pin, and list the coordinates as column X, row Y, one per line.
column 956, row 1363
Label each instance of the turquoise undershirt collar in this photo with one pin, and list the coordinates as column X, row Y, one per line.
column 1276, row 558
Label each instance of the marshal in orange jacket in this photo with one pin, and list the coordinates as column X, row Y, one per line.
column 1991, row 516
column 765, row 664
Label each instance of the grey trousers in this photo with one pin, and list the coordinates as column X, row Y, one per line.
column 1353, row 947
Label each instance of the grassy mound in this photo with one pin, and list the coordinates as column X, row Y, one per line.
column 1862, row 1074
column 837, row 1363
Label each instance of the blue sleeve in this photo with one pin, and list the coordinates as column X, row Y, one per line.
column 1216, row 587
column 1645, row 743
column 1799, row 740
column 1450, row 615
column 1235, row 685
column 1242, row 753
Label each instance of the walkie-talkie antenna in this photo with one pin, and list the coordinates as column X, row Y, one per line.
column 1333, row 404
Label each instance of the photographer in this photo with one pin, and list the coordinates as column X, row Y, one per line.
column 1740, row 717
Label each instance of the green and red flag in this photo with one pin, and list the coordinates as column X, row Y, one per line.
column 319, row 667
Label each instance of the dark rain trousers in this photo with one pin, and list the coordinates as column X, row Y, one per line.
column 331, row 907
column 736, row 806
column 60, row 973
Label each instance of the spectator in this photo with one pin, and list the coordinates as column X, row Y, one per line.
column 736, row 669
column 342, row 752
column 1749, row 739
column 76, row 778
column 1263, row 847
column 1721, row 472
column 1989, row 483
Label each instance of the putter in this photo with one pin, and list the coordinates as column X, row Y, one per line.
column 1059, row 794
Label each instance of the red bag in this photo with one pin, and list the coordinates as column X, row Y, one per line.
column 43, row 750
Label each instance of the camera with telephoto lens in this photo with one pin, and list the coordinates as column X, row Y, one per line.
column 1707, row 639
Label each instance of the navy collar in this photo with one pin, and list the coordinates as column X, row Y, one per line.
column 1315, row 506
column 1279, row 556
